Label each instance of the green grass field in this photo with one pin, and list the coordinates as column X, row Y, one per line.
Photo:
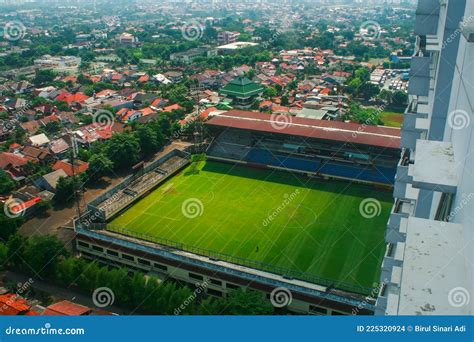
column 392, row 119
column 315, row 229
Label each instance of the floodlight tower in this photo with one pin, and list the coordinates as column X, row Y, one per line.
column 198, row 128
column 77, row 186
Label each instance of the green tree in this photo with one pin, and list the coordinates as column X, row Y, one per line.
column 368, row 116
column 99, row 165
column 399, row 98
column 123, row 150
column 42, row 207
column 16, row 245
column 148, row 140
column 44, row 77
column 6, row 183
column 363, row 74
column 353, row 86
column 66, row 188
column 386, row 95
column 369, row 90
column 270, row 92
column 240, row 302
column 9, row 226
column 42, row 254
column 68, row 270
column 3, row 255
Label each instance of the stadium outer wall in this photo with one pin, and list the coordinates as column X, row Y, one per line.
column 116, row 250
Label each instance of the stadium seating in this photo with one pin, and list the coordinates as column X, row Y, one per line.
column 240, row 146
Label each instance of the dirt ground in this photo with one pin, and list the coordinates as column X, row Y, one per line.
column 58, row 220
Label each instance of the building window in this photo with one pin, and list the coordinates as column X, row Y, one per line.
column 97, row 248
column 128, row 257
column 232, row 286
column 215, row 282
column 443, row 213
column 214, row 293
column 196, row 276
column 144, row 262
column 390, row 249
column 113, row 253
column 160, row 267
column 82, row 244
column 317, row 310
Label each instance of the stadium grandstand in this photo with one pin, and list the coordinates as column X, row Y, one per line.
column 332, row 149
column 143, row 224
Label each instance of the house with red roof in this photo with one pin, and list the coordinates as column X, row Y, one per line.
column 106, row 93
column 72, row 98
column 79, row 167
column 12, row 305
column 67, row 308
column 95, row 78
column 15, row 147
column 70, row 78
column 159, row 103
column 143, row 79
column 89, row 134
column 41, row 155
column 132, row 115
column 208, row 111
column 170, row 108
column 62, row 96
column 325, row 91
column 265, row 105
column 14, row 164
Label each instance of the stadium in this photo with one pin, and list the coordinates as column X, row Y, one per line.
column 273, row 203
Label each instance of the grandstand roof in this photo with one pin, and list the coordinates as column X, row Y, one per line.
column 380, row 136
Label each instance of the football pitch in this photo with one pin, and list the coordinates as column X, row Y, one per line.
column 307, row 227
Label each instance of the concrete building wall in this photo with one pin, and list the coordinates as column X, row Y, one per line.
column 428, row 268
column 211, row 285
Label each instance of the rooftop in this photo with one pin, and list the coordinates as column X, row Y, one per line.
column 434, row 268
column 236, row 45
column 241, row 86
column 379, row 136
column 434, row 166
